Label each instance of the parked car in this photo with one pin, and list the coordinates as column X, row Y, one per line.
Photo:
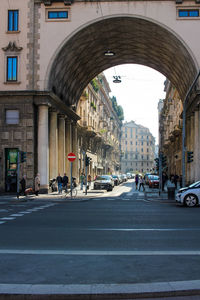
column 116, row 179
column 124, row 178
column 189, row 196
column 104, row 182
column 153, row 181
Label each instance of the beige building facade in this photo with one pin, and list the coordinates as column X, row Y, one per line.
column 138, row 148
column 99, row 129
column 170, row 135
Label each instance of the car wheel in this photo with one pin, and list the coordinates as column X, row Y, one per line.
column 190, row 200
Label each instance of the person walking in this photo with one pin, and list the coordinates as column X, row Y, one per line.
column 37, row 184
column 141, row 183
column 89, row 181
column 65, row 181
column 59, row 181
column 82, row 180
column 23, row 185
column 136, row 181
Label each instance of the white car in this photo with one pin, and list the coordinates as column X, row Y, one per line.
column 189, row 196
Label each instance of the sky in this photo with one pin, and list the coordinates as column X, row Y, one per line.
column 138, row 93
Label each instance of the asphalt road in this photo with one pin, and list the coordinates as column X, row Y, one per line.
column 118, row 238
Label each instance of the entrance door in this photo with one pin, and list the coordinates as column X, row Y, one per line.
column 11, row 169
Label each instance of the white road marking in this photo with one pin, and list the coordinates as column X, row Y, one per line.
column 100, row 252
column 8, row 218
column 16, row 215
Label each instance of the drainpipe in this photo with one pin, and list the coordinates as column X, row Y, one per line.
column 183, row 128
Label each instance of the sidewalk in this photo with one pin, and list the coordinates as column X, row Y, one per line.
column 53, row 195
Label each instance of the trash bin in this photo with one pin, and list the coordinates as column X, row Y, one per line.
column 171, row 192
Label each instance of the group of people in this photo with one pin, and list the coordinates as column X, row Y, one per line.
column 36, row 185
column 139, row 180
column 62, row 183
column 83, row 180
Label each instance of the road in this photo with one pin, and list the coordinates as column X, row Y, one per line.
column 121, row 237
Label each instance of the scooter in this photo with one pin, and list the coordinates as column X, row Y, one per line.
column 52, row 185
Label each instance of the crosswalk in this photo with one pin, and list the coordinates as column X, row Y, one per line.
column 12, row 217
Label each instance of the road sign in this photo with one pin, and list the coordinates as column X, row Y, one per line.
column 71, row 156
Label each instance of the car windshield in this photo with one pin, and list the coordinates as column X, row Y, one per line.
column 153, row 177
column 195, row 184
column 103, row 177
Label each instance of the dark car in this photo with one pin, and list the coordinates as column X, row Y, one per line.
column 153, row 181
column 104, row 182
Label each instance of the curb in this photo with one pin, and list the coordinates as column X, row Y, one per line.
column 99, row 291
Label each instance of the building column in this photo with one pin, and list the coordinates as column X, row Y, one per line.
column 53, row 146
column 68, row 144
column 75, row 150
column 43, row 148
column 197, row 144
column 192, row 143
column 61, row 144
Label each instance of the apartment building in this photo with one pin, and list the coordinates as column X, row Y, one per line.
column 99, row 129
column 137, row 148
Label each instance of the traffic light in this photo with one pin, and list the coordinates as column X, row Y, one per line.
column 164, row 161
column 157, row 163
column 189, row 156
column 87, row 160
column 23, row 156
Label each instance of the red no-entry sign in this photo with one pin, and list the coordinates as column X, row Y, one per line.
column 71, row 156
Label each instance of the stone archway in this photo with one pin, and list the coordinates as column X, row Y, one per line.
column 133, row 40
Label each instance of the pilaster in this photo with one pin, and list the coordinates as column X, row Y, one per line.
column 68, row 144
column 53, row 145
column 43, row 148
column 61, row 144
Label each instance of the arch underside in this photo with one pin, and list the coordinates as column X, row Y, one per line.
column 133, row 40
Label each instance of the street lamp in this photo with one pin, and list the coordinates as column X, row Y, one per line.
column 109, row 53
column 117, row 79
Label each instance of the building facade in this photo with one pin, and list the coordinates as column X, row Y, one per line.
column 170, row 132
column 99, row 129
column 138, row 148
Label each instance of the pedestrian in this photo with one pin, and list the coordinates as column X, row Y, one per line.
column 164, row 180
column 37, row 184
column 59, row 181
column 65, row 181
column 82, row 180
column 136, row 181
column 176, row 177
column 141, row 183
column 89, row 181
column 23, row 185
column 181, row 181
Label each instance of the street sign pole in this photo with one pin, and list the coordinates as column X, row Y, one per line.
column 71, row 181
column 86, row 180
column 18, row 174
column 71, row 157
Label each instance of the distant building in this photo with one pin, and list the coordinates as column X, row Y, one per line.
column 137, row 147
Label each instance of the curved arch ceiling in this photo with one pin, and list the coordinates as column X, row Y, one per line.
column 133, row 40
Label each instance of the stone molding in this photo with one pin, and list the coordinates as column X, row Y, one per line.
column 12, row 47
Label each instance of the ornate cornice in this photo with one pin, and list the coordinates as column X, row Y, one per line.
column 12, row 47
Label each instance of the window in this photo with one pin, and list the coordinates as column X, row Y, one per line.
column 12, row 62
column 142, row 149
column 12, row 117
column 188, row 13
column 58, row 14
column 13, row 16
